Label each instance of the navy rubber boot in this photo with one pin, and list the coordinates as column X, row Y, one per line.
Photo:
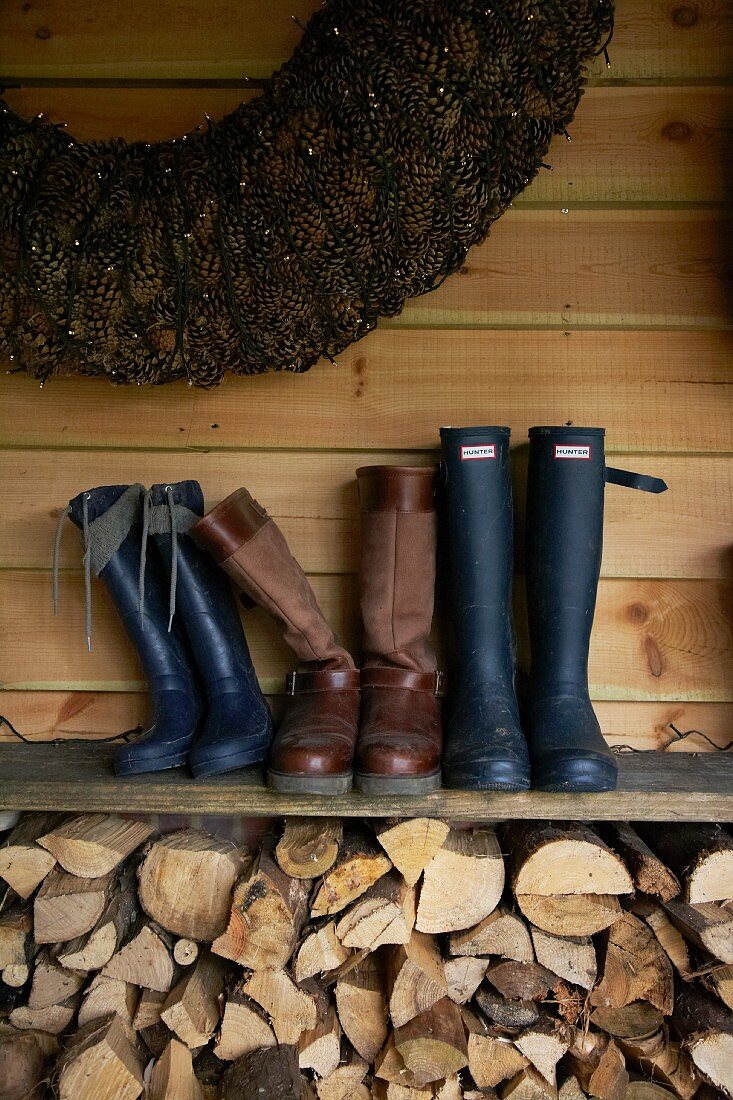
column 111, row 519
column 484, row 748
column 565, row 494
column 237, row 728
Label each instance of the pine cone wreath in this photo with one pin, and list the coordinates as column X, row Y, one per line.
column 376, row 157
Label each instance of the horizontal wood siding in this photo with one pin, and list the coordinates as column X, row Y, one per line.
column 603, row 297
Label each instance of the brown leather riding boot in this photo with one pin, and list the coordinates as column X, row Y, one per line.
column 400, row 733
column 313, row 749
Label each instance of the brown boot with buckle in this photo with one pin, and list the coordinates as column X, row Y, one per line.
column 313, row 749
column 400, row 734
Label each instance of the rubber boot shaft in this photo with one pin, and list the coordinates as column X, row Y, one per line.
column 400, row 732
column 565, row 497
column 485, row 748
column 237, row 728
column 166, row 663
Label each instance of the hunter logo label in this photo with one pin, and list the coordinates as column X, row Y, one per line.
column 487, row 450
column 564, row 450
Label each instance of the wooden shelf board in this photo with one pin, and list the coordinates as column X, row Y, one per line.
column 652, row 787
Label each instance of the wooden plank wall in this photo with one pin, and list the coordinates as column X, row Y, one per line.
column 603, row 297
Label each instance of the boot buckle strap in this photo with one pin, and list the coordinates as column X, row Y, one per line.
column 327, row 680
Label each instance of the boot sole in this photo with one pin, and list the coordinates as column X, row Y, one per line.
column 309, row 784
column 163, row 763
column 501, row 776
column 398, row 784
column 230, row 762
column 592, row 776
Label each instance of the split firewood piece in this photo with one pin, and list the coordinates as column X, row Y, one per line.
column 320, row 952
column 700, row 855
column 95, row 948
column 450, row 1089
column 186, row 881
column 173, row 1077
column 570, row 1089
column 501, row 933
column 319, row 1048
column 390, row 1066
column 671, row 939
column 53, row 1018
column 706, row 1028
column 52, row 984
column 570, row 957
column 462, row 883
column 92, row 845
column 610, row 1079
column 108, row 996
column 529, row 1084
column 291, row 1010
column 707, row 925
column 309, row 846
column 492, row 1057
column 415, row 978
column 663, row 1061
column 24, row 1059
column 67, row 906
column 385, row 913
column 145, row 960
column 584, row 1054
column 362, row 1007
column 544, row 1044
column 359, row 864
column 721, row 980
column 147, row 1013
column 272, row 1073
column 650, row 875
column 548, row 859
column 518, row 981
column 244, row 1027
column 463, row 976
column 647, row 1090
column 433, row 1044
column 16, row 925
column 412, row 843
column 635, row 968
column 99, row 1062
column 634, row 1023
column 148, row 1024
column 344, row 1081
column 23, row 862
column 269, row 908
column 513, row 1016
column 570, row 914
column 191, row 1009
column 185, row 951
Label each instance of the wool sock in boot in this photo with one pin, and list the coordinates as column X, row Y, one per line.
column 110, row 518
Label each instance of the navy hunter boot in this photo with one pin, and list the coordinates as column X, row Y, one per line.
column 484, row 745
column 565, row 490
column 237, row 728
column 110, row 518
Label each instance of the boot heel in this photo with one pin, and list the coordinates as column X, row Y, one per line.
column 309, row 784
column 398, row 784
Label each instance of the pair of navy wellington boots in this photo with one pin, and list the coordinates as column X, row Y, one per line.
column 485, row 743
column 207, row 707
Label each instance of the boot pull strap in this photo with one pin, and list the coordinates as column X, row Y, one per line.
column 630, row 480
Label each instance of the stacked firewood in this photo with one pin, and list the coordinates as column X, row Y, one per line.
column 402, row 960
